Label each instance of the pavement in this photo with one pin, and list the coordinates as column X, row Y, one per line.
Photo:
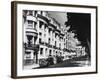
column 31, row 66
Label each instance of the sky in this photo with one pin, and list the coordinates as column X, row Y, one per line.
column 79, row 22
column 61, row 17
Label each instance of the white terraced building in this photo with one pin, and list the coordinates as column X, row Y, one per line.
column 44, row 36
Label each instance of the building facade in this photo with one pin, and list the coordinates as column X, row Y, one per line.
column 44, row 36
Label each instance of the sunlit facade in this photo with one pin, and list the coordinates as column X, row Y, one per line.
column 44, row 36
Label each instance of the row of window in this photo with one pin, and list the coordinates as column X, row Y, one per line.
column 49, row 42
column 50, row 51
column 40, row 34
column 41, row 51
column 33, row 25
column 40, row 40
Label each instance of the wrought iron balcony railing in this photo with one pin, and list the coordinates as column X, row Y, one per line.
column 52, row 25
column 46, row 44
column 31, row 46
column 42, row 43
column 49, row 45
column 43, row 18
column 32, row 18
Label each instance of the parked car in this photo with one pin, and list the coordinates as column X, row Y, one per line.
column 50, row 60
column 43, row 62
column 46, row 62
column 59, row 59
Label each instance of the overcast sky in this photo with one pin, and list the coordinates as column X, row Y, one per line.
column 61, row 17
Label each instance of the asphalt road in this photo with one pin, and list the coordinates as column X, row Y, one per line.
column 76, row 62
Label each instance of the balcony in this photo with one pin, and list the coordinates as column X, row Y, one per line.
column 32, row 32
column 42, row 43
column 49, row 45
column 34, row 47
column 46, row 44
column 52, row 25
column 31, row 18
column 68, row 50
column 57, row 31
column 43, row 18
column 59, row 48
column 55, row 47
column 64, row 49
column 62, row 34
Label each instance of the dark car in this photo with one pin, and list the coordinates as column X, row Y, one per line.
column 50, row 60
column 59, row 59
column 46, row 62
column 43, row 62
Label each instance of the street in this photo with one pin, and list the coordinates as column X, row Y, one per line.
column 75, row 62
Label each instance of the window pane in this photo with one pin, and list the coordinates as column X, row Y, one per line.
column 31, row 13
column 41, row 51
column 30, row 23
